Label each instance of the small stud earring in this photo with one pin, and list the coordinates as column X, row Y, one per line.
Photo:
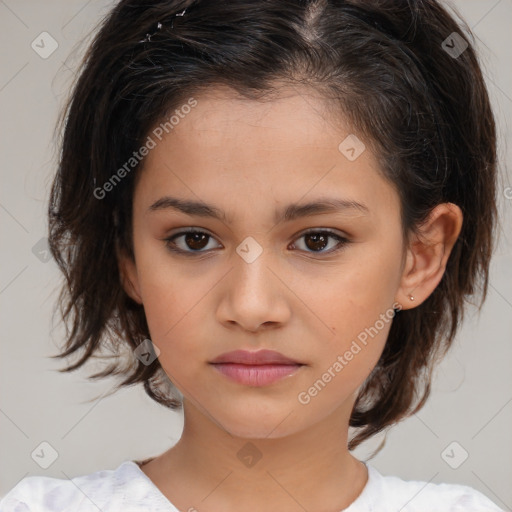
column 411, row 297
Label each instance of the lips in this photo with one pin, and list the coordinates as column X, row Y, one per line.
column 255, row 369
column 261, row 357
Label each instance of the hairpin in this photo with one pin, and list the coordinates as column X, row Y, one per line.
column 158, row 27
column 148, row 36
column 179, row 14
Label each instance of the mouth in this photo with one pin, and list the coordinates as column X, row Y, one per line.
column 255, row 368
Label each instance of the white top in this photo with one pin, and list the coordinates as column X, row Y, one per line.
column 128, row 489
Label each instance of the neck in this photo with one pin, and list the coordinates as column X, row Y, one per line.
column 211, row 469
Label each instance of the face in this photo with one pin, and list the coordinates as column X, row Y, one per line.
column 318, row 287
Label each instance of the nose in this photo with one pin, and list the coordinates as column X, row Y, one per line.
column 254, row 296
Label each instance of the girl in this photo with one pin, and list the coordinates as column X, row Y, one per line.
column 280, row 207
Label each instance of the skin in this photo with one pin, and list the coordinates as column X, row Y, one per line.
column 250, row 159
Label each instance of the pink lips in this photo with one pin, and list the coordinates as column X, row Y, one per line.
column 255, row 368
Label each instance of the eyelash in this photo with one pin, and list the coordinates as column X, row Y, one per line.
column 343, row 241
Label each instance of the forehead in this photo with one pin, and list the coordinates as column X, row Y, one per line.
column 223, row 126
column 282, row 149
column 222, row 107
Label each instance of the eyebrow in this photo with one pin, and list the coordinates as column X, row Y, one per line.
column 289, row 213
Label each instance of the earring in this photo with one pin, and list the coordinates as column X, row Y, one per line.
column 411, row 297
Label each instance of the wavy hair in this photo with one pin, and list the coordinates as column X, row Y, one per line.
column 395, row 69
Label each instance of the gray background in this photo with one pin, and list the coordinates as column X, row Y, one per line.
column 471, row 402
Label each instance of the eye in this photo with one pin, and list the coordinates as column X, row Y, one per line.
column 317, row 240
column 192, row 239
column 195, row 241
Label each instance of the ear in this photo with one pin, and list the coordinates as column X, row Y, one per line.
column 128, row 275
column 427, row 254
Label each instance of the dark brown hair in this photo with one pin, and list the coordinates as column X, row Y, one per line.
column 411, row 88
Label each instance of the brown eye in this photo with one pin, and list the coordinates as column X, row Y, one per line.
column 317, row 241
column 196, row 241
column 191, row 241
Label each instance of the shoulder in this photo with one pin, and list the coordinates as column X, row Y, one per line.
column 420, row 496
column 103, row 490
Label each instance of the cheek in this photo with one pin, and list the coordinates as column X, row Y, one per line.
column 172, row 303
column 351, row 296
column 359, row 321
column 171, row 309
column 354, row 306
column 173, row 295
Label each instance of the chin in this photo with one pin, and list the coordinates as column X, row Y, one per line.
column 254, row 427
